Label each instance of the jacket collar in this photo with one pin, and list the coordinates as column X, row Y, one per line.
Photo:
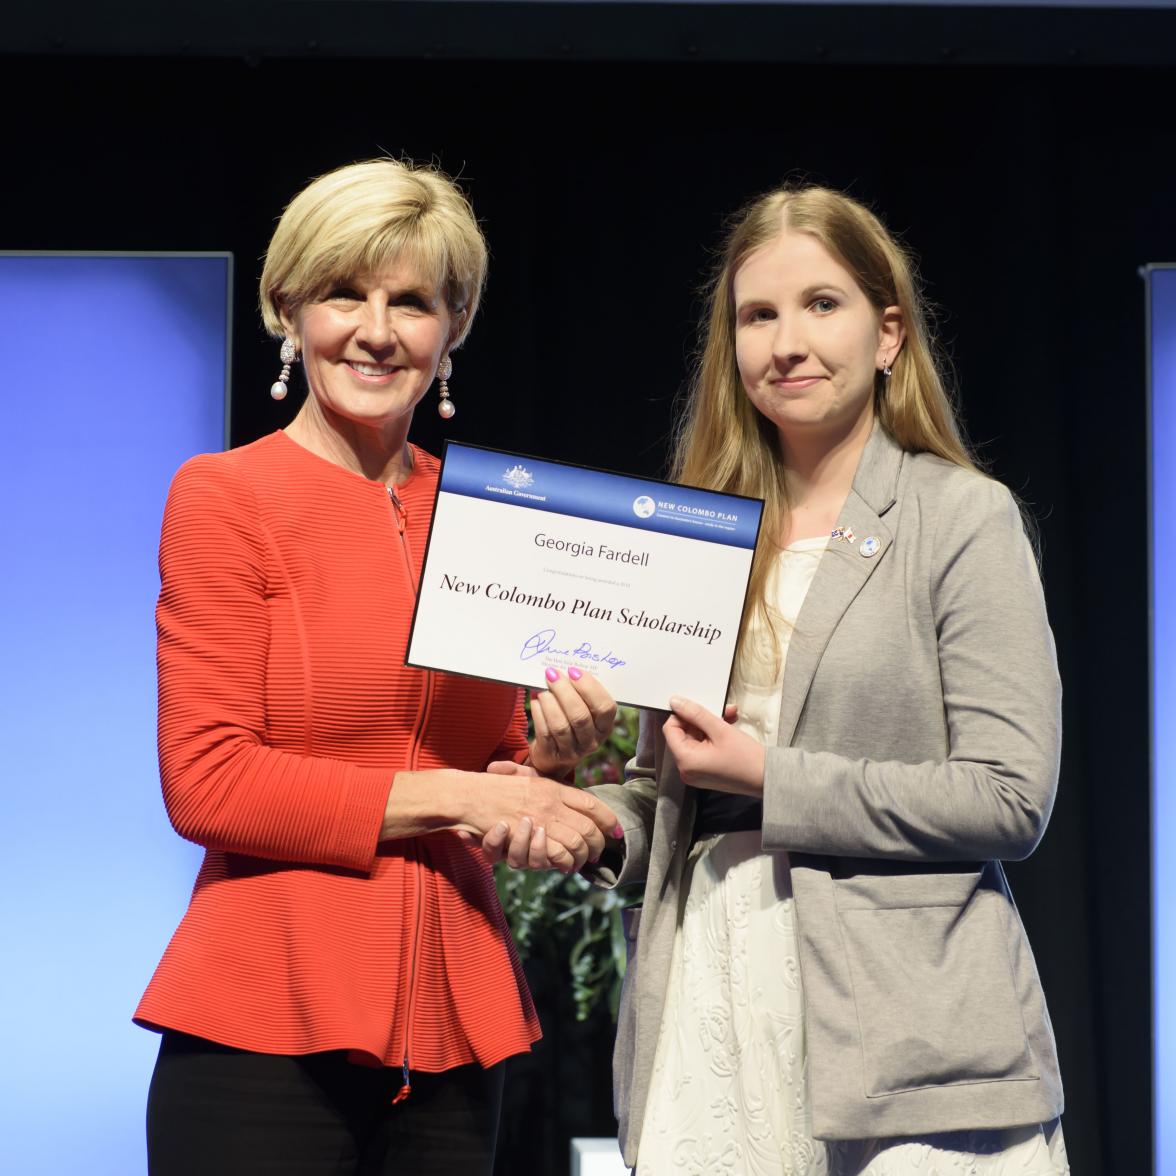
column 876, row 480
column 846, row 566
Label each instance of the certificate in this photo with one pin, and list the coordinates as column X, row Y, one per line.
column 533, row 563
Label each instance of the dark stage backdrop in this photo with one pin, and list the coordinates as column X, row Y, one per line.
column 1032, row 195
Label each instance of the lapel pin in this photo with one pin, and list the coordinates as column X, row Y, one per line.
column 845, row 533
column 870, row 546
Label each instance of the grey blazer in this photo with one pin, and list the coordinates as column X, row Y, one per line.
column 918, row 745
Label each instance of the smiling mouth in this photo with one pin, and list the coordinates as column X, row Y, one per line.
column 372, row 370
column 795, row 381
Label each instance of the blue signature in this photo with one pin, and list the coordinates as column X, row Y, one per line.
column 543, row 642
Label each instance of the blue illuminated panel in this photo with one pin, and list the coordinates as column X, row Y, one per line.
column 113, row 370
column 1161, row 314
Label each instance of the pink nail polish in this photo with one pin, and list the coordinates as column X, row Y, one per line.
column 575, row 673
column 551, row 674
column 618, row 833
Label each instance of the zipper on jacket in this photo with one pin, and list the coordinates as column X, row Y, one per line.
column 401, row 515
column 406, row 1089
column 422, row 719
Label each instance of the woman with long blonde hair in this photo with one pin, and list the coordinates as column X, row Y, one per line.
column 829, row 975
column 724, row 442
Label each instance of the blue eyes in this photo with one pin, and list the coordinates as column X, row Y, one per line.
column 764, row 314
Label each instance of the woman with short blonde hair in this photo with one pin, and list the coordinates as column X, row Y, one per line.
column 354, row 220
column 342, row 991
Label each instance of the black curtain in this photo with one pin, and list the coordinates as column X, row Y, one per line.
column 1032, row 195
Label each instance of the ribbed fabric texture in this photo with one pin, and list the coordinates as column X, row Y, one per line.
column 285, row 710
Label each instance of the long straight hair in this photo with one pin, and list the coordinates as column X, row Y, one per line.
column 723, row 443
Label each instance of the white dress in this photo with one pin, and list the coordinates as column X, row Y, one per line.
column 729, row 1091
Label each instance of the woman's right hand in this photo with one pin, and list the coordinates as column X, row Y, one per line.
column 564, row 834
column 498, row 803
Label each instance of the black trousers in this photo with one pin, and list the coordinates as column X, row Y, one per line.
column 217, row 1111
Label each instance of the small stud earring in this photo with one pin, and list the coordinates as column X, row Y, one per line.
column 288, row 354
column 444, row 370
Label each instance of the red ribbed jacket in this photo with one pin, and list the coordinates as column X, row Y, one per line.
column 285, row 710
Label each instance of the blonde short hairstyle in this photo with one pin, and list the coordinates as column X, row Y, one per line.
column 723, row 443
column 357, row 219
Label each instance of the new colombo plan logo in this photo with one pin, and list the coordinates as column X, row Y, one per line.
column 518, row 477
column 644, row 506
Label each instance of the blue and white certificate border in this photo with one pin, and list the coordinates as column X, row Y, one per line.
column 600, row 496
column 709, row 515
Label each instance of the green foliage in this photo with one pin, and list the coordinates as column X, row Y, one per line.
column 563, row 916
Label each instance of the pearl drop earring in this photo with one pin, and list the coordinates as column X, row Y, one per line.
column 288, row 354
column 445, row 406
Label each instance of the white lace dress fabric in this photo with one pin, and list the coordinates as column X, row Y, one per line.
column 729, row 1093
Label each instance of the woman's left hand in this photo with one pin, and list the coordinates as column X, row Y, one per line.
column 572, row 718
column 710, row 753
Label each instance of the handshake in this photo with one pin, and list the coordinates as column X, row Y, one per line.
column 541, row 824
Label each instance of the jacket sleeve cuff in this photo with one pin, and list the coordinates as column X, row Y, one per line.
column 625, row 862
column 358, row 831
column 780, row 800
